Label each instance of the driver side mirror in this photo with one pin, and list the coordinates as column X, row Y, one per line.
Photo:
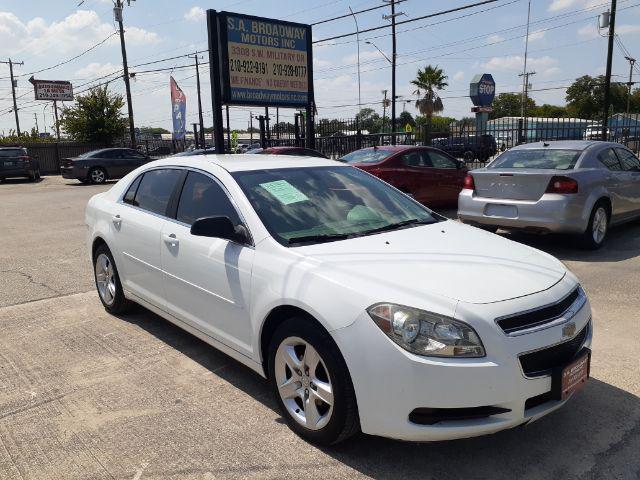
column 220, row 227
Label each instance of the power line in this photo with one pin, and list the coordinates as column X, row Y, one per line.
column 431, row 15
column 354, row 13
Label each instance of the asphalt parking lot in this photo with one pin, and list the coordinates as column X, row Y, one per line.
column 84, row 394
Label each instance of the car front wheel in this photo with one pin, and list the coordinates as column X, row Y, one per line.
column 108, row 281
column 311, row 383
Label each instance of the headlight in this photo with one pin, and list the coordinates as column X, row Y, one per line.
column 426, row 333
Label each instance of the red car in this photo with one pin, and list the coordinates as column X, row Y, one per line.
column 429, row 175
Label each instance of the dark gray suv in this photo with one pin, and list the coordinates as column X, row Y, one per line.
column 16, row 162
column 98, row 166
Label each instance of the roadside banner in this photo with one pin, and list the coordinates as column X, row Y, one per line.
column 178, row 110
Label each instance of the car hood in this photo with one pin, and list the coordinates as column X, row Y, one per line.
column 445, row 259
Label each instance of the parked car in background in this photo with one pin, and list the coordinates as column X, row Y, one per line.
column 468, row 148
column 580, row 187
column 363, row 309
column 429, row 175
column 594, row 132
column 16, row 162
column 298, row 151
column 98, row 166
column 197, row 151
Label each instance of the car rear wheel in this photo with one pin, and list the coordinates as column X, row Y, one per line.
column 598, row 227
column 311, row 383
column 468, row 156
column 108, row 281
column 97, row 175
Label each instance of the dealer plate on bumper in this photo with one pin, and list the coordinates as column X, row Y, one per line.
column 504, row 211
column 572, row 377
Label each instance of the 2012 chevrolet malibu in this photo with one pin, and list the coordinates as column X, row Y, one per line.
column 364, row 309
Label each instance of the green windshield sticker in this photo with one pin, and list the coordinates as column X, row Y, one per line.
column 284, row 192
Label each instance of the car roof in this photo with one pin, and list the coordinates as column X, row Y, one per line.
column 394, row 148
column 245, row 162
column 560, row 144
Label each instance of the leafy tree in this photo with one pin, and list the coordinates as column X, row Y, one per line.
column 153, row 130
column 585, row 97
column 95, row 118
column 548, row 111
column 404, row 118
column 368, row 119
column 510, row 105
column 429, row 81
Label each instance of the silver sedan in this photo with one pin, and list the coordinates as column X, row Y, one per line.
column 577, row 187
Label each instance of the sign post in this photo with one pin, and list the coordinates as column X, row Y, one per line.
column 259, row 62
column 56, row 90
column 482, row 91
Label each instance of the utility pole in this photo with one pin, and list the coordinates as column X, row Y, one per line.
column 525, row 99
column 251, row 127
column 13, row 92
column 630, row 83
column 195, row 134
column 607, row 81
column 55, row 112
column 199, row 101
column 384, row 109
column 117, row 11
column 524, row 75
column 35, row 116
column 392, row 17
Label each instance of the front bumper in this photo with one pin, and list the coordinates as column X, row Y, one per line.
column 551, row 213
column 390, row 382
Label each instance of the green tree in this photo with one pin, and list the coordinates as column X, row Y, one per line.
column 95, row 118
column 153, row 130
column 548, row 111
column 510, row 105
column 368, row 119
column 405, row 118
column 429, row 82
column 585, row 97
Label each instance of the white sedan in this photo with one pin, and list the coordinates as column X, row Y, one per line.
column 364, row 309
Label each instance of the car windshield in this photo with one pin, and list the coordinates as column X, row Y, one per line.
column 317, row 204
column 372, row 155
column 554, row 159
column 11, row 152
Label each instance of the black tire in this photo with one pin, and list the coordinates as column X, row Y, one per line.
column 38, row 176
column 120, row 304
column 469, row 156
column 97, row 175
column 588, row 240
column 344, row 421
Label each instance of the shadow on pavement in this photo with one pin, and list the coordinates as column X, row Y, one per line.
column 595, row 435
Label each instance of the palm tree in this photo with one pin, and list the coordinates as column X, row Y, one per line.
column 429, row 81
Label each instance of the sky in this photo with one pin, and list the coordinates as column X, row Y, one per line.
column 564, row 43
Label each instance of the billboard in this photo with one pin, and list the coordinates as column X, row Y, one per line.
column 178, row 110
column 264, row 61
column 57, row 90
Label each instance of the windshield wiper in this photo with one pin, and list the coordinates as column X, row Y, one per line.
column 395, row 226
column 319, row 238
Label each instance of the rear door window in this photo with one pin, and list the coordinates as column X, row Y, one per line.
column 438, row 160
column 609, row 159
column 416, row 158
column 130, row 196
column 202, row 197
column 155, row 189
column 628, row 160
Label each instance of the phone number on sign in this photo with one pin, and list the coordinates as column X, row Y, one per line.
column 285, row 70
column 248, row 66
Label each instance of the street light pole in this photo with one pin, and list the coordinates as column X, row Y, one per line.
column 393, row 72
column 358, row 50
column 199, row 102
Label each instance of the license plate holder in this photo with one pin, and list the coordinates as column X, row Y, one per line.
column 499, row 210
column 570, row 378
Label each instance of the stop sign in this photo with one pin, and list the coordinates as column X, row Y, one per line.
column 482, row 89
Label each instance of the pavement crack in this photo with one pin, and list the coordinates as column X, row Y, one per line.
column 33, row 281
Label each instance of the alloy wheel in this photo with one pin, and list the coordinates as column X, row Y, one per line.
column 303, row 383
column 105, row 279
column 599, row 225
column 97, row 176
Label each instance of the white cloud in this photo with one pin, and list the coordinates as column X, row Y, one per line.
column 627, row 29
column 77, row 31
column 319, row 63
column 95, row 70
column 494, row 38
column 459, row 75
column 557, row 5
column 588, row 31
column 195, row 14
column 533, row 36
column 516, row 62
column 364, row 56
column 550, row 72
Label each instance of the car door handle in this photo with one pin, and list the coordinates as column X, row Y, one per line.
column 171, row 240
column 117, row 221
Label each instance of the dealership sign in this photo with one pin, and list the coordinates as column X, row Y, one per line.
column 56, row 90
column 264, row 61
column 482, row 90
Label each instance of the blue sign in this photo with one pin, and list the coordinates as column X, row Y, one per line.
column 482, row 90
column 265, row 61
